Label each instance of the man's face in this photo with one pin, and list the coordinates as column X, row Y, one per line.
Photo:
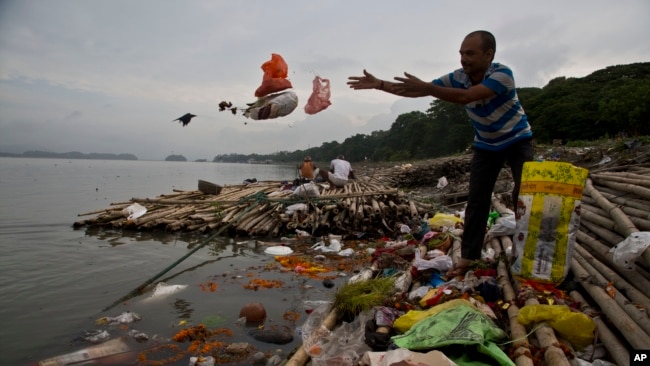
column 473, row 59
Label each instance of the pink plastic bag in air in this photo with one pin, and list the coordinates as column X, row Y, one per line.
column 320, row 96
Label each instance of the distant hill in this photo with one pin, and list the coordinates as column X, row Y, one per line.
column 175, row 158
column 70, row 155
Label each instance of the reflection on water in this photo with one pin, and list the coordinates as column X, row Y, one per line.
column 183, row 308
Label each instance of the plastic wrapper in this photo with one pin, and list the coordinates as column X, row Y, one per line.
column 320, row 96
column 342, row 346
column 626, row 252
column 163, row 289
column 296, row 207
column 462, row 325
column 504, row 225
column 444, row 220
column 126, row 317
column 575, row 327
column 402, row 356
column 134, row 211
column 275, row 76
column 307, row 190
column 272, row 106
column 412, row 317
column 442, row 263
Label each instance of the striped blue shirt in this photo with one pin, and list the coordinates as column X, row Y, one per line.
column 498, row 121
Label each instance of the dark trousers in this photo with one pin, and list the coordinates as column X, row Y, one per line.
column 484, row 172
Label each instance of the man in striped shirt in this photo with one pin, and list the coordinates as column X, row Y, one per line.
column 501, row 129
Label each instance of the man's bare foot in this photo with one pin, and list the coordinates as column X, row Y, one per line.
column 460, row 268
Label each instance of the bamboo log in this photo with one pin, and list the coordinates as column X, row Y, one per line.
column 627, row 227
column 601, row 252
column 630, row 330
column 640, row 218
column 547, row 340
column 615, row 347
column 609, row 236
column 626, row 201
column 375, row 206
column 300, row 358
column 638, row 316
column 597, row 219
column 619, row 282
column 522, row 355
column 625, row 187
column 150, row 216
column 629, row 178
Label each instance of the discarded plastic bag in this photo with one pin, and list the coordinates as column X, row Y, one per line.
column 626, row 252
column 444, row 220
column 275, row 76
column 296, row 207
column 344, row 346
column 442, row 263
column 272, row 106
column 442, row 182
column 313, row 330
column 346, row 252
column 406, row 321
column 320, row 96
column 278, row 250
column 124, row 318
column 402, row 356
column 575, row 327
column 335, row 246
column 202, row 361
column 460, row 325
column 134, row 211
column 307, row 190
column 504, row 225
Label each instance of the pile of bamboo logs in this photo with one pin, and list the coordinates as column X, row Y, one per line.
column 260, row 209
column 615, row 204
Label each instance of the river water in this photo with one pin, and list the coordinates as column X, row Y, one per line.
column 57, row 281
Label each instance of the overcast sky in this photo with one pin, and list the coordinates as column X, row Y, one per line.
column 110, row 76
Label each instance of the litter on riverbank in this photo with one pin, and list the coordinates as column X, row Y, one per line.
column 596, row 316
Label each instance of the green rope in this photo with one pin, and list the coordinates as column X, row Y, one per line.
column 252, row 198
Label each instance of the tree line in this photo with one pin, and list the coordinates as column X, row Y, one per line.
column 610, row 102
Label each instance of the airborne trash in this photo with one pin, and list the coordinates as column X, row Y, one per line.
column 275, row 76
column 320, row 96
column 272, row 106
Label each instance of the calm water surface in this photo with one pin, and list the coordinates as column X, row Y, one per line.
column 55, row 280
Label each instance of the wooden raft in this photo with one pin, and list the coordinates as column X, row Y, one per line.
column 260, row 209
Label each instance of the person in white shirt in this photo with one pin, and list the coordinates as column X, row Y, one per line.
column 340, row 172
